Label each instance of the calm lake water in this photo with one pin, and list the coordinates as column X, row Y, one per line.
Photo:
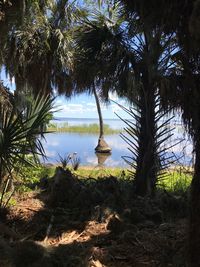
column 62, row 144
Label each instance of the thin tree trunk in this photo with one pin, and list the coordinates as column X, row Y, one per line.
column 102, row 146
column 101, row 130
column 194, row 226
column 1, row 174
column 146, row 162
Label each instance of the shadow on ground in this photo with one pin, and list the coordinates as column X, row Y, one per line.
column 95, row 223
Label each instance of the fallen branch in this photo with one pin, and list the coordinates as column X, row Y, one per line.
column 49, row 228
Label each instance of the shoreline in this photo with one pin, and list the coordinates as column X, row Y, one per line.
column 85, row 167
column 81, row 129
column 92, row 167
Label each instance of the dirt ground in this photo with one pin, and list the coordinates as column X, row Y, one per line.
column 46, row 235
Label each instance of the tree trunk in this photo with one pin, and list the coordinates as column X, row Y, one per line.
column 102, row 146
column 146, row 161
column 1, row 174
column 194, row 227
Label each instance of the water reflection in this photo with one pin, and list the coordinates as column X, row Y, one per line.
column 102, row 157
column 68, row 143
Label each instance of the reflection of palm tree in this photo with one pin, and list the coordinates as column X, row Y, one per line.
column 102, row 157
column 102, row 146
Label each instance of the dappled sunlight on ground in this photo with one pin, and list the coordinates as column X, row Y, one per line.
column 103, row 225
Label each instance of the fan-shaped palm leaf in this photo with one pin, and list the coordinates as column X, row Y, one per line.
column 19, row 134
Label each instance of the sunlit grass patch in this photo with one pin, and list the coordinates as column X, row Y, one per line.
column 176, row 180
column 95, row 172
column 30, row 176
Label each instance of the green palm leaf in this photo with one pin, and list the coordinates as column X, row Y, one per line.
column 20, row 133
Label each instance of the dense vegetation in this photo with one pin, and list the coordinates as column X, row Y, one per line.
column 128, row 47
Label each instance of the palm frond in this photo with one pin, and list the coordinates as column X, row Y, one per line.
column 20, row 134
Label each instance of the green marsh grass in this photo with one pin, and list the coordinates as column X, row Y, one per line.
column 96, row 173
column 83, row 128
column 177, row 180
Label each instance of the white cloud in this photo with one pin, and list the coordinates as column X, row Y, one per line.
column 113, row 96
column 118, row 145
column 74, row 110
column 90, row 104
column 67, row 110
column 50, row 154
column 55, row 143
column 115, row 108
column 86, row 109
column 92, row 160
column 59, row 101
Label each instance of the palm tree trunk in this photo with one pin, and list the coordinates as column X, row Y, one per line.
column 101, row 131
column 1, row 174
column 194, row 227
column 146, row 161
column 102, row 146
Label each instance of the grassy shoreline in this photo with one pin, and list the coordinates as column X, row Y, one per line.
column 83, row 128
column 176, row 180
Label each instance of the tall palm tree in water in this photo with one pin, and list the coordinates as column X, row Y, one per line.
column 102, row 146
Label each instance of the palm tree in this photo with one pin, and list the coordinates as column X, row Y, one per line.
column 42, row 56
column 180, row 88
column 129, row 56
column 14, row 14
column 184, row 94
column 38, row 52
column 102, row 146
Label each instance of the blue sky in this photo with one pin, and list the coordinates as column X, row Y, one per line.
column 81, row 106
column 84, row 106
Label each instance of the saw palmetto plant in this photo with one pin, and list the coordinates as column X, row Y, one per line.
column 20, row 135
